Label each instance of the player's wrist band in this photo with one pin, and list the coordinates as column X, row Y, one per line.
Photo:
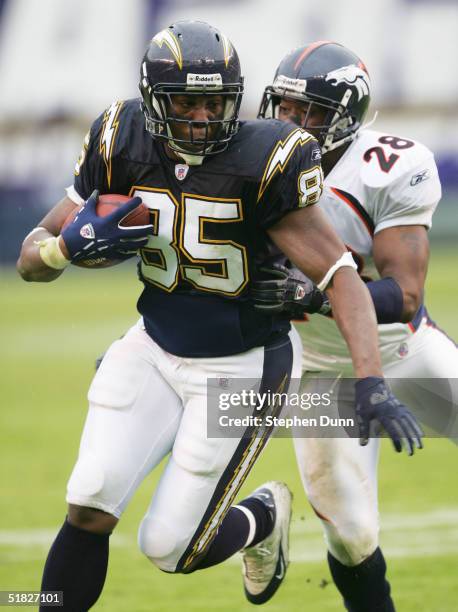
column 51, row 253
column 346, row 261
column 388, row 299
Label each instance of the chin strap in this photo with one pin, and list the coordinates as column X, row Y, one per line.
column 191, row 160
column 372, row 121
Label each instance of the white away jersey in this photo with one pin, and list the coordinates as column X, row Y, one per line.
column 381, row 181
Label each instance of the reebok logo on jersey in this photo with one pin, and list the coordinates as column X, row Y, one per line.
column 316, row 155
column 418, row 178
column 87, row 231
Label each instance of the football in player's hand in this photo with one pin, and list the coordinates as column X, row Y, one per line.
column 106, row 204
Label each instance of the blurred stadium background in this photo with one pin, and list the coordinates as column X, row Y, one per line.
column 61, row 63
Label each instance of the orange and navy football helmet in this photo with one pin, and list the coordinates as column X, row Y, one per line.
column 329, row 75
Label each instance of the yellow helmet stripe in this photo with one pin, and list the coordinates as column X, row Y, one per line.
column 227, row 48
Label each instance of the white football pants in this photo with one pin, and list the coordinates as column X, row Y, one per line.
column 339, row 475
column 145, row 404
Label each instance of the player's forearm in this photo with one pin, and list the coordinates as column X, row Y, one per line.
column 40, row 264
column 354, row 314
column 30, row 264
column 402, row 253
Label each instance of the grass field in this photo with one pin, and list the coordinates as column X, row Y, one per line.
column 50, row 337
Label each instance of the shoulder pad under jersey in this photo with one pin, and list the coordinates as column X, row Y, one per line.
column 384, row 158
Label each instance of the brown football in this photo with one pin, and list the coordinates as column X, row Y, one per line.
column 106, row 204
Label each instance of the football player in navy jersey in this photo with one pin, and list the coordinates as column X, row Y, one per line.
column 380, row 192
column 224, row 197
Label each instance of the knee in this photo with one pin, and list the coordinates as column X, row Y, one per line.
column 91, row 519
column 159, row 542
column 353, row 541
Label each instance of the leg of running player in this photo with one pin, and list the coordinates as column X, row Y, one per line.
column 125, row 436
column 340, row 480
column 430, row 358
column 340, row 476
column 190, row 523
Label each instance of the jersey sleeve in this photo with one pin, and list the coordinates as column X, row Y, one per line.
column 90, row 171
column 292, row 178
column 94, row 168
column 411, row 199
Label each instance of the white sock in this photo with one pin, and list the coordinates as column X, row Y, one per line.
column 251, row 521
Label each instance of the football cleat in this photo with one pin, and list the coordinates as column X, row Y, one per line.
column 265, row 564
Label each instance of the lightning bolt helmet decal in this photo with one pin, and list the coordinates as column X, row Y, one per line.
column 167, row 37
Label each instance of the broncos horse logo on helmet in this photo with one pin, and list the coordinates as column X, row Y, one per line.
column 326, row 74
column 354, row 76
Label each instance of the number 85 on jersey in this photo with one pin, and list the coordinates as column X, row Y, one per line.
column 217, row 265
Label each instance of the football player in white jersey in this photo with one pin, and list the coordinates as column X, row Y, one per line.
column 380, row 192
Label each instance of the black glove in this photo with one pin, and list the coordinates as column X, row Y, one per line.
column 287, row 291
column 375, row 403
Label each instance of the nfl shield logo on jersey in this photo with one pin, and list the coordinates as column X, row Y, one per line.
column 181, row 170
column 223, row 382
column 403, row 349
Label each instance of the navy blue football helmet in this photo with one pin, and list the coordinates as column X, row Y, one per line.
column 192, row 58
column 329, row 75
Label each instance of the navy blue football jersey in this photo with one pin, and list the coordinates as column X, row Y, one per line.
column 209, row 221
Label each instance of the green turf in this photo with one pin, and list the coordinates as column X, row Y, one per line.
column 50, row 336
